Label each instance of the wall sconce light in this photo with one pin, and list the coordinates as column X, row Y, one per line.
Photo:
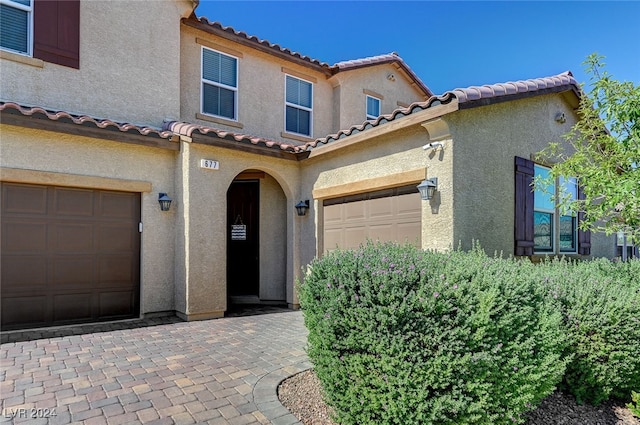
column 561, row 118
column 428, row 188
column 165, row 201
column 302, row 207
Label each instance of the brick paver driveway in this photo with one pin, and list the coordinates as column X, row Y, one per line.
column 221, row 371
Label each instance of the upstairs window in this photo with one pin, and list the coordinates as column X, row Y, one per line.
column 45, row 29
column 16, row 26
column 298, row 106
column 219, row 84
column 373, row 108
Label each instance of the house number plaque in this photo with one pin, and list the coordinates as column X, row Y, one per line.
column 209, row 164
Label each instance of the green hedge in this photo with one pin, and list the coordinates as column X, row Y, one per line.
column 402, row 336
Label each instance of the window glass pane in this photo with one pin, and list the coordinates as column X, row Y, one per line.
column 219, row 68
column 543, row 231
column 298, row 121
column 373, row 107
column 25, row 2
column 298, row 92
column 218, row 101
column 228, row 70
column 14, row 28
column 569, row 188
column 568, row 227
column 210, row 65
column 305, row 94
column 210, row 99
column 543, row 194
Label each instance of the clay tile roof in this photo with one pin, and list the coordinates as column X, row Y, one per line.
column 81, row 120
column 218, row 28
column 466, row 97
column 188, row 129
column 242, row 37
column 392, row 57
column 516, row 87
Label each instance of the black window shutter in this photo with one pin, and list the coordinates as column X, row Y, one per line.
column 524, row 172
column 584, row 236
column 56, row 31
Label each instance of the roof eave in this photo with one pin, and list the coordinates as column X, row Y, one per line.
column 194, row 22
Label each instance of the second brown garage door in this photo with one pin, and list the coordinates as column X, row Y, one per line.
column 386, row 215
column 68, row 255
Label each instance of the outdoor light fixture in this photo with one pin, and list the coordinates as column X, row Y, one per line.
column 302, row 207
column 428, row 188
column 165, row 201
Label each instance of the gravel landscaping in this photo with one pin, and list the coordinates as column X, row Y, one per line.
column 302, row 395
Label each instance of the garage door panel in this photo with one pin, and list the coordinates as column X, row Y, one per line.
column 388, row 215
column 333, row 213
column 72, row 307
column 332, row 239
column 381, row 208
column 116, row 303
column 73, row 202
column 115, row 238
column 353, row 211
column 24, row 236
column 20, row 273
column 115, row 269
column 73, row 271
column 72, row 237
column 354, row 236
column 116, row 205
column 383, row 232
column 27, row 310
column 24, row 199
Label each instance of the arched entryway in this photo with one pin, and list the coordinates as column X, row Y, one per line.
column 256, row 240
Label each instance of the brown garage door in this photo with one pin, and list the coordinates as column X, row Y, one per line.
column 386, row 215
column 68, row 255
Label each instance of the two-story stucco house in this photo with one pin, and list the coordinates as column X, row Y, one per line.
column 104, row 113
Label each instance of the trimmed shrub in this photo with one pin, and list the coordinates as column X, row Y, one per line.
column 402, row 336
column 601, row 307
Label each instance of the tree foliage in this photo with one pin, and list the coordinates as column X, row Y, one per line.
column 604, row 154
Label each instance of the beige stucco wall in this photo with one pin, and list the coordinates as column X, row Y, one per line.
column 201, row 235
column 385, row 157
column 486, row 140
column 78, row 158
column 129, row 69
column 351, row 102
column 261, row 89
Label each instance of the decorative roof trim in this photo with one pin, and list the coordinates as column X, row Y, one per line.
column 467, row 98
column 392, row 57
column 235, row 140
column 241, row 37
column 84, row 125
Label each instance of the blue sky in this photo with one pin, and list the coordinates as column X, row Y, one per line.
column 450, row 44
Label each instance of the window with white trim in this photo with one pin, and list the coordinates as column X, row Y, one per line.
column 373, row 108
column 553, row 231
column 219, row 84
column 16, row 26
column 298, row 106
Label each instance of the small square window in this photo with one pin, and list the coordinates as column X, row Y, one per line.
column 373, row 108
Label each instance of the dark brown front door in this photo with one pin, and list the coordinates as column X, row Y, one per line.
column 242, row 239
column 69, row 255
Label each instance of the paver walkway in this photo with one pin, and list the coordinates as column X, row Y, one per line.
column 222, row 371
